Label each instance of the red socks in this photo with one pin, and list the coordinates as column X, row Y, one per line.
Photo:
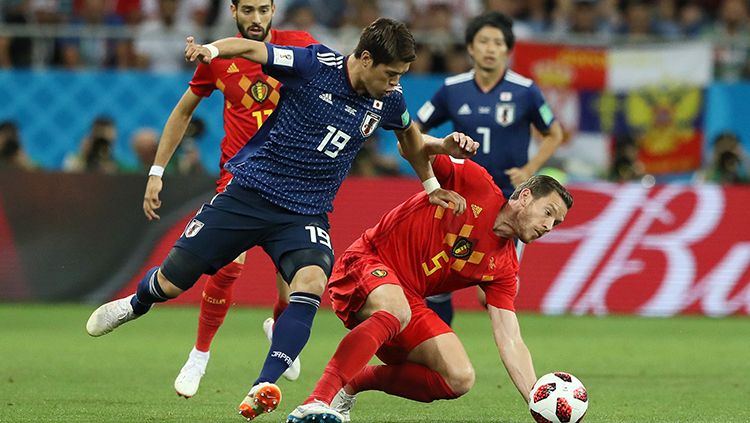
column 408, row 380
column 353, row 354
column 279, row 308
column 217, row 297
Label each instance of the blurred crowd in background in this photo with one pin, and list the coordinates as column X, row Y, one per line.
column 126, row 34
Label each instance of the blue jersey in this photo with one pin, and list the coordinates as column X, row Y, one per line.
column 499, row 119
column 309, row 142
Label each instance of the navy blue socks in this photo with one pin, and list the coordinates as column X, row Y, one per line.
column 148, row 293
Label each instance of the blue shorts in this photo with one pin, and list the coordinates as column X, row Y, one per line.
column 238, row 219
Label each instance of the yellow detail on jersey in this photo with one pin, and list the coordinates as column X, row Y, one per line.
column 229, row 104
column 466, row 231
column 436, row 262
column 272, row 82
column 439, row 212
column 487, row 278
column 245, row 83
column 274, row 97
column 458, row 265
column 233, row 68
column 476, row 257
column 220, row 85
column 450, row 239
column 260, row 116
column 476, row 210
column 247, row 101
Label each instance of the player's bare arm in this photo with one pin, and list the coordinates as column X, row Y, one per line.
column 456, row 144
column 413, row 149
column 174, row 131
column 513, row 351
column 549, row 143
column 226, row 48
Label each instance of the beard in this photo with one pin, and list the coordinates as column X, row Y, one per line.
column 260, row 37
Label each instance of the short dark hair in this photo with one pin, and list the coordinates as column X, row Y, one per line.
column 494, row 19
column 542, row 186
column 234, row 2
column 388, row 41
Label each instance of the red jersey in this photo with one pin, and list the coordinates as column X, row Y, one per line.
column 250, row 96
column 453, row 252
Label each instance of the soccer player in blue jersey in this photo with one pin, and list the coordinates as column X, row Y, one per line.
column 281, row 193
column 497, row 107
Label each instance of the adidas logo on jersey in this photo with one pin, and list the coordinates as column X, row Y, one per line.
column 327, row 97
column 464, row 110
column 233, row 68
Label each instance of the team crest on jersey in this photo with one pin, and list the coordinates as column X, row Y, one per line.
column 260, row 91
column 504, row 114
column 462, row 248
column 193, row 228
column 369, row 124
column 379, row 273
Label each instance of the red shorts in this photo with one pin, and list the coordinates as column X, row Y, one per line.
column 355, row 275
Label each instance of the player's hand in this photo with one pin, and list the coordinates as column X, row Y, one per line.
column 460, row 145
column 518, row 175
column 448, row 199
column 194, row 52
column 151, row 200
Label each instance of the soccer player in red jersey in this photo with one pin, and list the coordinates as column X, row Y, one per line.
column 379, row 285
column 250, row 97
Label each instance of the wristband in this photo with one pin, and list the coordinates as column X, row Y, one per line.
column 431, row 185
column 156, row 171
column 213, row 50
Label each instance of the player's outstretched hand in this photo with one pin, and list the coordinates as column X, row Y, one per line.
column 195, row 52
column 448, row 199
column 151, row 200
column 460, row 145
column 518, row 175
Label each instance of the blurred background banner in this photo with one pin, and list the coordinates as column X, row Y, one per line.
column 650, row 96
column 626, row 248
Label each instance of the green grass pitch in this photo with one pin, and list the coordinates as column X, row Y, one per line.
column 687, row 369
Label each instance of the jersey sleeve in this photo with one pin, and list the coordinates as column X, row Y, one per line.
column 435, row 111
column 400, row 118
column 203, row 82
column 444, row 168
column 293, row 66
column 542, row 116
column 501, row 293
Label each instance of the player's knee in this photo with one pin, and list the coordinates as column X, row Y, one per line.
column 461, row 379
column 309, row 279
column 306, row 270
column 181, row 269
column 169, row 289
column 401, row 312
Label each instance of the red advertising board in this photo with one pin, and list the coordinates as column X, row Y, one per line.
column 665, row 250
column 562, row 66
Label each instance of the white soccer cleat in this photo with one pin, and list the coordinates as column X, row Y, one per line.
column 187, row 382
column 262, row 398
column 109, row 316
column 292, row 372
column 316, row 411
column 343, row 403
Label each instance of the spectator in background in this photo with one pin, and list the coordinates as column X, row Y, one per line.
column 693, row 19
column 727, row 165
column 423, row 65
column 160, row 42
column 95, row 153
column 370, row 162
column 626, row 166
column 14, row 51
column 12, row 155
column 301, row 16
column 188, row 154
column 94, row 52
column 732, row 35
column 583, row 17
column 144, row 143
column 513, row 9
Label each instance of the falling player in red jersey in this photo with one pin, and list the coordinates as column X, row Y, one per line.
column 250, row 97
column 379, row 285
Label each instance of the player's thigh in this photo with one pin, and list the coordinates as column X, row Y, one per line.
column 218, row 234
column 300, row 247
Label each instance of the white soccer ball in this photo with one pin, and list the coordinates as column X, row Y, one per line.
column 558, row 398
